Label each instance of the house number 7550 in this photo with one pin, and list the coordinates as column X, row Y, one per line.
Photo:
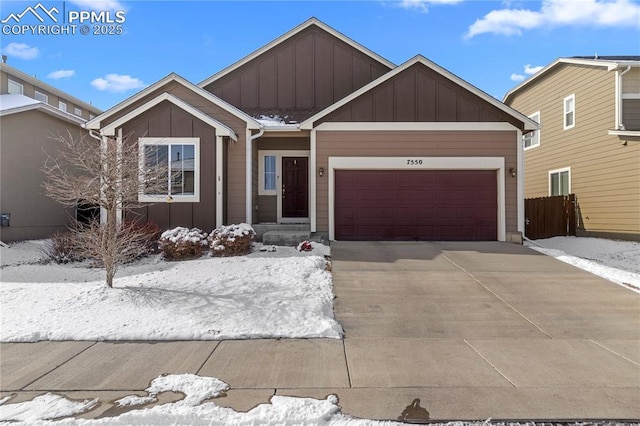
column 411, row 162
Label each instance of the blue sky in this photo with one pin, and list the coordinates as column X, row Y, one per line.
column 491, row 44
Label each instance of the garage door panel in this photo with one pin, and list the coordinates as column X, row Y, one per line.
column 415, row 205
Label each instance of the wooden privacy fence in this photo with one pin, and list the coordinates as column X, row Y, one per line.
column 548, row 217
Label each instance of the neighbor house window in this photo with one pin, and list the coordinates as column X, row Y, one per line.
column 15, row 88
column 62, row 106
column 178, row 161
column 560, row 181
column 77, row 111
column 267, row 169
column 41, row 97
column 532, row 139
column 569, row 112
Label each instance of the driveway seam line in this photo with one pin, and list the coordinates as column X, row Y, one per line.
column 346, row 362
column 488, row 362
column 613, row 352
column 497, row 296
column 57, row 366
column 207, row 358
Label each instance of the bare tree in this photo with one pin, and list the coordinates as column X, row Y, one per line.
column 104, row 172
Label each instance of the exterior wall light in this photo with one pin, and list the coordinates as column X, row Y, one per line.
column 512, row 171
column 321, row 171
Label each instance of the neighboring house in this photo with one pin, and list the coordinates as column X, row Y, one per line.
column 31, row 114
column 315, row 129
column 589, row 140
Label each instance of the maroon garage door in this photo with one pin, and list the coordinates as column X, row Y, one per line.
column 416, row 205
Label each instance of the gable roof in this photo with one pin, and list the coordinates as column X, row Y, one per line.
column 608, row 62
column 221, row 129
column 528, row 123
column 14, row 104
column 310, row 22
column 251, row 122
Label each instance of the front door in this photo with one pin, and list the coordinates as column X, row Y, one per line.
column 295, row 187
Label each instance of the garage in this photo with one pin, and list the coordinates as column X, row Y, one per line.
column 425, row 205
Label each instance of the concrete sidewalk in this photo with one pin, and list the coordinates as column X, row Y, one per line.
column 473, row 330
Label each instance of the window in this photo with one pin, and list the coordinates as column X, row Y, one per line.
column 560, row 181
column 15, row 88
column 267, row 172
column 177, row 159
column 41, row 97
column 532, row 139
column 62, row 106
column 569, row 112
column 77, row 111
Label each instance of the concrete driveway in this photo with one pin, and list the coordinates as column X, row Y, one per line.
column 471, row 330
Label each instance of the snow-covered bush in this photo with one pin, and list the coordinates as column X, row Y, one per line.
column 182, row 243
column 232, row 240
column 63, row 248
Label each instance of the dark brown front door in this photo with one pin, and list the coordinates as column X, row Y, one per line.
column 416, row 205
column 295, row 187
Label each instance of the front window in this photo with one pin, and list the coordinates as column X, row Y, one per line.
column 560, row 182
column 269, row 173
column 62, row 106
column 15, row 88
column 532, row 139
column 77, row 111
column 169, row 169
column 569, row 112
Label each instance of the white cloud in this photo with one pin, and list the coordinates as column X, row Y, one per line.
column 98, row 5
column 55, row 75
column 117, row 83
column 556, row 13
column 22, row 51
column 530, row 69
column 423, row 5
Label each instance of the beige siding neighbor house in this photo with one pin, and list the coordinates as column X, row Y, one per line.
column 589, row 139
column 315, row 132
column 31, row 113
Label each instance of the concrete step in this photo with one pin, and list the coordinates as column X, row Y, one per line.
column 261, row 228
column 285, row 238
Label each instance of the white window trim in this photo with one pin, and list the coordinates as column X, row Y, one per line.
column 278, row 192
column 46, row 97
column 261, row 155
column 551, row 172
column 428, row 163
column 536, row 133
column 195, row 198
column 565, row 111
column 60, row 103
column 17, row 84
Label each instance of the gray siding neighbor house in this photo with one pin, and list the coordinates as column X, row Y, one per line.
column 31, row 113
column 316, row 130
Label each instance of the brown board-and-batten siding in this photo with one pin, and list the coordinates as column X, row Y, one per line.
column 419, row 94
column 168, row 120
column 299, row 77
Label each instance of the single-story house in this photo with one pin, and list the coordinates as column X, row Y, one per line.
column 316, row 129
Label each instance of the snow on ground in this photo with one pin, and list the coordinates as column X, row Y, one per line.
column 283, row 293
column 618, row 261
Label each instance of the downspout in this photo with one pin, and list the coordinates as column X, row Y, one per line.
column 620, row 124
column 249, row 175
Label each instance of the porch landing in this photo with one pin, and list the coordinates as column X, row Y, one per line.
column 282, row 234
